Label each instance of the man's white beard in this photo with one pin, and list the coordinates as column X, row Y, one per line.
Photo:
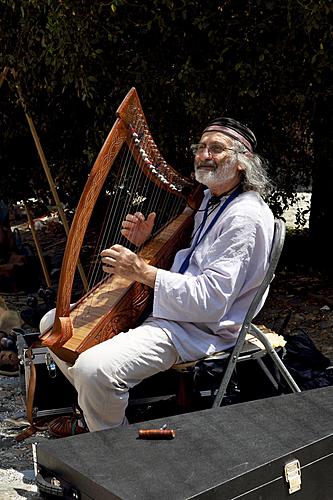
column 216, row 178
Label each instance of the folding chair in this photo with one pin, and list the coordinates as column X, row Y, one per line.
column 253, row 342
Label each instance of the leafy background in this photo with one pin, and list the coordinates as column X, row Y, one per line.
column 265, row 63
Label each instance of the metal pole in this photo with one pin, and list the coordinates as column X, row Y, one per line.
column 48, row 174
column 38, row 247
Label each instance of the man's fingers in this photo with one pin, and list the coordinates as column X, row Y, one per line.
column 117, row 248
column 127, row 224
column 130, row 217
column 151, row 217
column 139, row 216
column 112, row 251
column 108, row 260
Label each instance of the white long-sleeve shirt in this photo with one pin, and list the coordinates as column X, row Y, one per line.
column 202, row 310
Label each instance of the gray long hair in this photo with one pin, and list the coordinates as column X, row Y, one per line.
column 254, row 173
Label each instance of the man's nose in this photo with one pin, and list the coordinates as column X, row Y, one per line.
column 206, row 153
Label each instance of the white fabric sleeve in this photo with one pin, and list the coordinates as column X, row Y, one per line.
column 209, row 295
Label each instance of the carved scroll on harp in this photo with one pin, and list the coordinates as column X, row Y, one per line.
column 115, row 304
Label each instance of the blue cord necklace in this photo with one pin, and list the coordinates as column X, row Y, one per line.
column 201, row 236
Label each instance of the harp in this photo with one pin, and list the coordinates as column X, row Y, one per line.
column 114, row 304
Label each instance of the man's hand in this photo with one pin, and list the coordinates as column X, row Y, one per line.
column 120, row 261
column 136, row 228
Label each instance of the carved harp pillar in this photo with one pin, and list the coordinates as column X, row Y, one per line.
column 139, row 178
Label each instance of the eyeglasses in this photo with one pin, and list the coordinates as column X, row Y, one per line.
column 213, row 149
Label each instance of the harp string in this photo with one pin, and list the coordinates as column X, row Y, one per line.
column 107, row 228
column 116, row 212
column 114, row 201
column 113, row 208
column 155, row 198
column 128, row 199
column 95, row 271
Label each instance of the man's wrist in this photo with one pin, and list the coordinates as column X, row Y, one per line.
column 149, row 275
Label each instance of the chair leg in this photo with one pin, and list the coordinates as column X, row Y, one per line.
column 234, row 357
column 276, row 360
column 267, row 373
column 229, row 368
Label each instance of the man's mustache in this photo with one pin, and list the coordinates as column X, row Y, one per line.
column 206, row 164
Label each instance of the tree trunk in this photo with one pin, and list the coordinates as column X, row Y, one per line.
column 321, row 215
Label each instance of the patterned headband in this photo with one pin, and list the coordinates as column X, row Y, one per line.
column 231, row 133
column 233, row 129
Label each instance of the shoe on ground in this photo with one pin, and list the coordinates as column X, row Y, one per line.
column 9, row 363
column 67, row 425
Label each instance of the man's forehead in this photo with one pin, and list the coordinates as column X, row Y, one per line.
column 215, row 137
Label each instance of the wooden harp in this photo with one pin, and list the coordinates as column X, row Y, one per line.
column 116, row 304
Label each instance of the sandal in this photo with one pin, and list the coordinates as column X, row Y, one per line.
column 68, row 425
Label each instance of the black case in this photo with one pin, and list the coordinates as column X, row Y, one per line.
column 234, row 452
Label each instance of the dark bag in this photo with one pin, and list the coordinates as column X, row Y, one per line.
column 308, row 366
column 207, row 375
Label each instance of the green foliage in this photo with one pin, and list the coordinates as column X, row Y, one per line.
column 263, row 62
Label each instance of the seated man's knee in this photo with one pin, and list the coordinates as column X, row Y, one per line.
column 91, row 369
column 85, row 367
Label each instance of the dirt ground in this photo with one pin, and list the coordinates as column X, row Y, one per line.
column 297, row 300
column 308, row 301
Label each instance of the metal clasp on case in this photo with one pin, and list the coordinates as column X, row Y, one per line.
column 50, row 365
column 292, row 472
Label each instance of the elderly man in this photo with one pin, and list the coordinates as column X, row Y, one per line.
column 200, row 303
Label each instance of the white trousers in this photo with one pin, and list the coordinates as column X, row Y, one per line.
column 103, row 374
